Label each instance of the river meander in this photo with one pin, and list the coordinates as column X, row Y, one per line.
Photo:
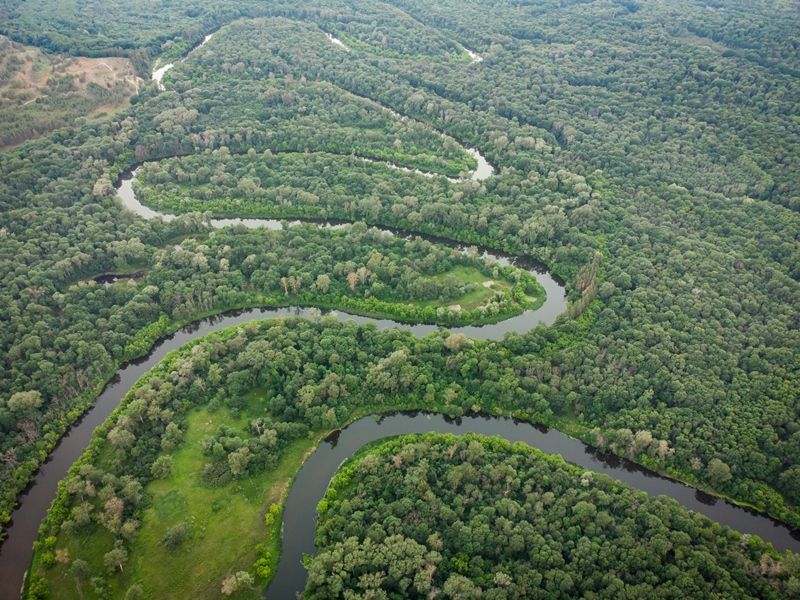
column 313, row 478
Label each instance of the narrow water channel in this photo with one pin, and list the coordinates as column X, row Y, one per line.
column 299, row 519
column 158, row 74
column 16, row 549
column 312, row 480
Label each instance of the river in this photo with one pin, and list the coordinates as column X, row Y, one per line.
column 313, row 478
column 299, row 522
column 158, row 74
column 16, row 550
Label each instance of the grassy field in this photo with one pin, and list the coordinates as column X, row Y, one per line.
column 226, row 522
column 41, row 91
column 476, row 298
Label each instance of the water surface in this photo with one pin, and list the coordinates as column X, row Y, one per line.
column 299, row 519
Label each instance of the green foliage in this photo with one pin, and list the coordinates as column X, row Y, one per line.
column 273, row 515
column 176, row 535
column 480, row 517
column 162, row 467
column 646, row 152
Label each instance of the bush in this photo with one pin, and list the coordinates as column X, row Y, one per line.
column 176, row 535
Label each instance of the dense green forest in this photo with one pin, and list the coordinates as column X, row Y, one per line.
column 309, row 185
column 225, row 422
column 355, row 268
column 476, row 517
column 647, row 153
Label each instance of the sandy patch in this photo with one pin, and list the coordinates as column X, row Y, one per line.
column 28, row 73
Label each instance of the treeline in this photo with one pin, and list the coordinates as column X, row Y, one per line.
column 309, row 184
column 310, row 377
column 313, row 377
column 476, row 517
column 665, row 273
column 94, row 328
column 708, row 106
column 86, row 31
column 289, row 115
column 613, row 136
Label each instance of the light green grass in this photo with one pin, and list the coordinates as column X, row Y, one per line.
column 90, row 545
column 474, row 299
column 227, row 522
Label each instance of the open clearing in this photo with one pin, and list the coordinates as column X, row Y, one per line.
column 51, row 90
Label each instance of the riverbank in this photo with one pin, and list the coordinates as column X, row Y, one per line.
column 549, row 441
column 64, row 445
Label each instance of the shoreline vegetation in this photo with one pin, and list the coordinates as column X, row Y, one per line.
column 143, row 341
column 396, row 477
column 696, row 265
column 252, row 403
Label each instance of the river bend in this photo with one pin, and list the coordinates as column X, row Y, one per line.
column 311, row 483
column 313, row 478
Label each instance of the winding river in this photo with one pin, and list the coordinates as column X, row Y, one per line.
column 313, row 478
column 16, row 550
column 158, row 74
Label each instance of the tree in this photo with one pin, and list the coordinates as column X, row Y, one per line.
column 238, row 460
column 25, row 402
column 111, row 517
column 718, row 472
column 459, row 587
column 456, row 341
column 135, row 592
column 352, row 280
column 162, row 467
column 790, row 483
column 116, row 557
column 237, row 582
column 81, row 572
column 121, row 437
column 323, row 283
column 641, row 442
column 176, row 535
column 80, row 569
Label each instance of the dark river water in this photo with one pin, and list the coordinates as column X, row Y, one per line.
column 309, row 487
column 16, row 550
column 313, row 478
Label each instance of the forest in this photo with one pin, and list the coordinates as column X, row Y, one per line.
column 645, row 153
column 225, row 421
column 477, row 517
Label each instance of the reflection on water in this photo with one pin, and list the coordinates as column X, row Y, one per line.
column 313, row 479
column 555, row 302
column 311, row 482
column 15, row 551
